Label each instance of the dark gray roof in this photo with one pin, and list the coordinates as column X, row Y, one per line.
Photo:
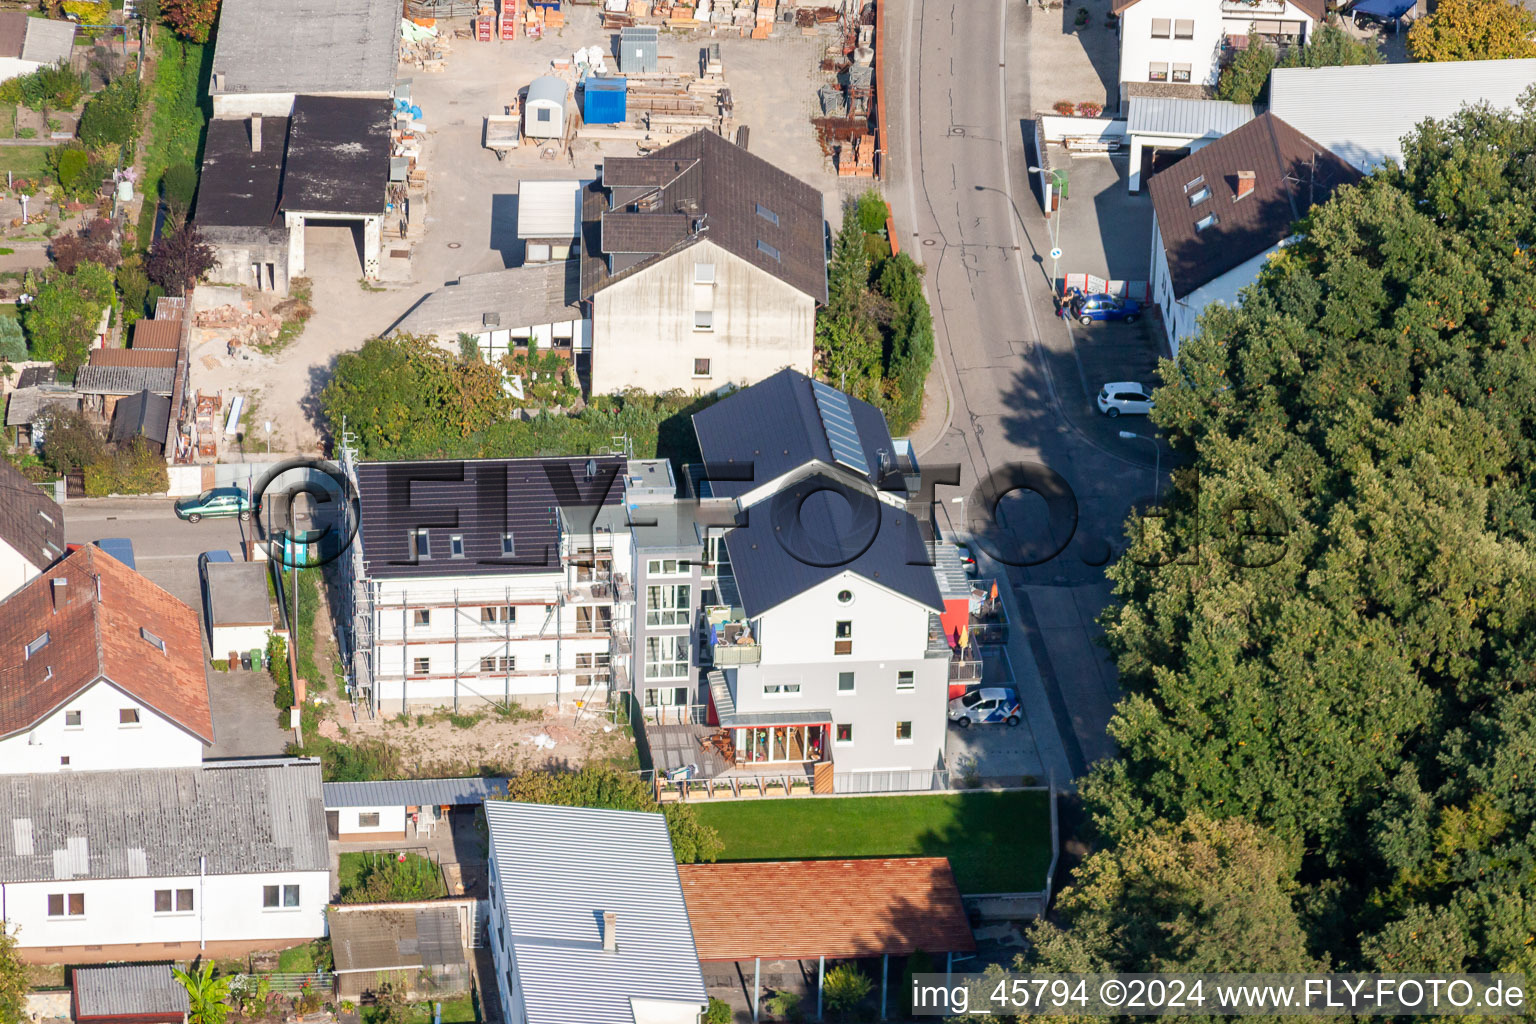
column 314, row 46
column 156, row 822
column 338, row 156
column 479, row 500
column 128, row 990
column 237, row 593
column 30, row 521
column 37, row 376
column 144, row 414
column 392, row 940
column 27, row 404
column 540, row 293
column 774, row 426
column 411, row 792
column 124, row 380
column 722, row 193
column 240, row 188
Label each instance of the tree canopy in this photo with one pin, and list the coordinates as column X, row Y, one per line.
column 1474, row 30
column 61, row 321
column 1343, row 656
column 1246, row 79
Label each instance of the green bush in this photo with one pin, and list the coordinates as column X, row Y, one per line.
column 277, row 667
column 111, row 117
column 54, row 87
column 390, row 878
column 871, row 211
column 13, row 344
column 133, row 469
column 72, row 164
column 179, row 185
column 844, row 988
column 719, row 1011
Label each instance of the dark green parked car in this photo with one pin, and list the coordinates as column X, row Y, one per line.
column 219, row 503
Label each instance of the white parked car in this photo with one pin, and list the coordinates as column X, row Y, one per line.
column 1125, row 397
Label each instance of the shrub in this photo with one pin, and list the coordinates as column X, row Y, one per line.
column 395, row 879
column 95, row 243
column 1063, row 107
column 71, row 167
column 71, row 440
column 277, row 667
column 13, row 344
column 179, row 185
column 111, row 117
column 872, row 212
column 176, row 262
column 132, row 469
column 719, row 1011
column 783, row 1005
column 844, row 988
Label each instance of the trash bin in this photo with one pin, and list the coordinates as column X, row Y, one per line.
column 245, row 660
column 258, row 661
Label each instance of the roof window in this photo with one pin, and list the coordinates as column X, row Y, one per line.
column 38, row 644
column 767, row 215
column 1195, row 184
column 152, row 640
column 1205, row 222
column 1200, row 196
column 764, row 247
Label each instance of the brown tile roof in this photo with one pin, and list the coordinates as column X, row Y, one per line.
column 861, row 908
column 30, row 521
column 157, row 334
column 716, row 190
column 145, row 357
column 13, row 32
column 1291, row 174
column 1314, row 9
column 94, row 635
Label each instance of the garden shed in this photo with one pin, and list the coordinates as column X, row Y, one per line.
column 144, row 993
column 420, row 947
column 638, row 49
column 544, row 111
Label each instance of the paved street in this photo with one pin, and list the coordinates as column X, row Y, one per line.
column 165, row 550
column 1018, row 381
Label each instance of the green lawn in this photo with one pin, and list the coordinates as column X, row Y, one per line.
column 353, row 870
column 457, row 1010
column 995, row 842
column 24, row 161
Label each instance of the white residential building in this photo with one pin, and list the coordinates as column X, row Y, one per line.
column 1183, row 43
column 31, row 529
column 174, row 863
column 507, row 311
column 100, row 670
column 588, row 924
column 488, row 581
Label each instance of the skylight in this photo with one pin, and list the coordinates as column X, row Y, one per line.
column 152, row 640
column 763, row 246
column 1205, row 222
column 1199, row 197
column 767, row 215
column 38, row 644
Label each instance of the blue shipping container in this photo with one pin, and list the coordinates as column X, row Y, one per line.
column 603, row 100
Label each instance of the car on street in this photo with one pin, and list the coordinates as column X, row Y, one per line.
column 218, row 503
column 1088, row 308
column 1125, row 396
column 989, row 705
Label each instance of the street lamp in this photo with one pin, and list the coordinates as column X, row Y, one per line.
column 1157, row 467
column 1057, row 179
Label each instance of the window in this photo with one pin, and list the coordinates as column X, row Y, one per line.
column 668, row 567
column 903, row 732
column 499, row 613
column 72, row 720
column 128, row 716
column 1199, row 196
column 1181, row 72
column 703, row 273
column 274, row 897
column 1161, row 28
column 845, row 682
column 64, row 761
column 701, row 367
column 421, row 617
column 152, row 640
column 905, row 680
column 66, row 904
column 767, row 215
column 781, row 689
column 456, row 546
column 508, row 548
column 1205, row 222
column 766, row 249
column 542, row 114
column 703, row 319
column 173, row 901
column 667, row 605
column 492, row 663
column 368, row 819
column 843, row 644
column 1157, row 71
column 845, row 597
column 1183, row 28
column 666, row 657
column 421, row 544
column 421, row 666
column 845, row 733
column 38, row 644
column 1200, row 180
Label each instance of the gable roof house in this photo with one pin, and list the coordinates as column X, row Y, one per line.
column 1177, row 48
column 704, row 264
column 606, row 943
column 31, row 529
column 100, row 669
column 27, row 44
column 218, row 859
column 1220, row 213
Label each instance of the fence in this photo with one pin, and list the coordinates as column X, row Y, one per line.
column 1091, row 284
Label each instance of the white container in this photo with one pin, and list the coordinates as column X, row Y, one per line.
column 124, row 190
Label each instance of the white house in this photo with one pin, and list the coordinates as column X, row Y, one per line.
column 1220, row 213
column 588, row 924
column 1182, row 44
column 31, row 529
column 506, row 311
column 704, row 265
column 1168, row 128
column 216, row 860
column 100, row 670
column 488, row 581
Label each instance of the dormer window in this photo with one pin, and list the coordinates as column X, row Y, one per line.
column 152, row 640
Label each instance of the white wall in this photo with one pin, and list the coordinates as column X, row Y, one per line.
column 1140, row 142
column 1180, row 314
column 122, row 910
column 15, row 67
column 1138, row 49
column 267, row 104
column 16, row 570
column 391, row 819
column 238, row 638
column 100, row 743
column 643, row 334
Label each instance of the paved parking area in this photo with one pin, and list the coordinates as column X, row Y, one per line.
column 1103, row 229
column 1003, row 755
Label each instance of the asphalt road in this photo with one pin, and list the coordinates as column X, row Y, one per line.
column 1013, row 372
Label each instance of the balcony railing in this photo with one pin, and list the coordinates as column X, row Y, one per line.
column 735, row 655
column 965, row 663
column 732, row 644
column 1257, row 8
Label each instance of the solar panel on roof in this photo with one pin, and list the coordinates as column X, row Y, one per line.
column 837, row 421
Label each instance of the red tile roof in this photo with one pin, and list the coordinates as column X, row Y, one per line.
column 94, row 634
column 798, row 909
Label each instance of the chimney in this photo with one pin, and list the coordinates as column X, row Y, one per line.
column 610, row 932
column 1244, row 185
column 255, row 133
column 59, row 583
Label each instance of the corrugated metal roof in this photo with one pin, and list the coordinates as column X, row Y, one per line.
column 27, row 404
column 127, row 989
column 1362, row 113
column 389, row 940
column 549, row 209
column 561, row 869
column 1193, row 119
column 125, row 380
column 307, row 46
column 162, row 821
column 861, row 908
column 411, row 792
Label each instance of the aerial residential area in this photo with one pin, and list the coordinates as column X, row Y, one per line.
column 709, row 511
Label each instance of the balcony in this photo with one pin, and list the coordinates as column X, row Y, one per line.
column 938, row 643
column 989, row 619
column 965, row 664
column 731, row 644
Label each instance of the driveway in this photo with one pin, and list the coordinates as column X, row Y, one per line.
column 1001, row 755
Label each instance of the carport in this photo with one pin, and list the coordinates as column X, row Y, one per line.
column 825, row 909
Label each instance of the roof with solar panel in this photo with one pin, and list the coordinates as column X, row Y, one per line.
column 829, row 517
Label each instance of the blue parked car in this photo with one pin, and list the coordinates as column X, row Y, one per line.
column 989, row 705
column 1088, row 308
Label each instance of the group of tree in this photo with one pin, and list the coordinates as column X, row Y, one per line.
column 74, row 440
column 874, row 339
column 62, row 318
column 1328, row 738
column 1474, row 30
column 1247, row 77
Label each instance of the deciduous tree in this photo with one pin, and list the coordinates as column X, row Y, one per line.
column 1474, row 30
column 190, row 19
column 61, row 321
column 176, row 261
column 13, row 980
